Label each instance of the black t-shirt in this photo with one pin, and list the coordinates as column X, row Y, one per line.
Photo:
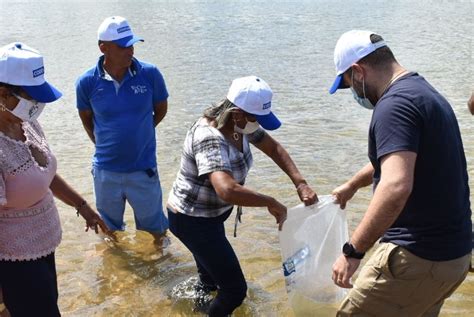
column 435, row 223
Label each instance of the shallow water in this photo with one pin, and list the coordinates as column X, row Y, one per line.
column 200, row 46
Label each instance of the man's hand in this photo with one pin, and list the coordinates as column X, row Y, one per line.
column 343, row 194
column 343, row 269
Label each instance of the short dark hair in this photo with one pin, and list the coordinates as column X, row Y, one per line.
column 381, row 56
column 99, row 42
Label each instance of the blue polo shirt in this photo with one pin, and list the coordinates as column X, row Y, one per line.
column 123, row 115
column 435, row 223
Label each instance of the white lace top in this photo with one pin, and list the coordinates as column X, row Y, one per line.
column 29, row 221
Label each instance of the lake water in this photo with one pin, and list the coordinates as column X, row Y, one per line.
column 200, row 46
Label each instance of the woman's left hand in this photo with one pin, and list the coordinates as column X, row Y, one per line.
column 307, row 195
column 93, row 220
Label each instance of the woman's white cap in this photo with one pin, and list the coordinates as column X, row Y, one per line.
column 21, row 65
column 253, row 95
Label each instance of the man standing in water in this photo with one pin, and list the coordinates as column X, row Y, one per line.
column 120, row 102
column 420, row 207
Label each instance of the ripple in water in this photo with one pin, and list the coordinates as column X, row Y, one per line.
column 190, row 290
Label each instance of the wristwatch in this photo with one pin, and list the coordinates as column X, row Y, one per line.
column 349, row 251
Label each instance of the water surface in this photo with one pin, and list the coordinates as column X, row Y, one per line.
column 200, row 46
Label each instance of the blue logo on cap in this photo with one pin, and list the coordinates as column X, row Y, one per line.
column 267, row 105
column 123, row 29
column 38, row 72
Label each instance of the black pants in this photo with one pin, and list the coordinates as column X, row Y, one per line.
column 30, row 287
column 216, row 261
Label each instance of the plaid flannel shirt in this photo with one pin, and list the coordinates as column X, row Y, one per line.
column 206, row 150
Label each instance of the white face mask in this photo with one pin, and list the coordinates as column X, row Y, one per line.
column 364, row 102
column 27, row 110
column 250, row 127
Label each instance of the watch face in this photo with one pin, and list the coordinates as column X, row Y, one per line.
column 347, row 249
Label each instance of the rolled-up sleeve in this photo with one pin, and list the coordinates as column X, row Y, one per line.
column 210, row 153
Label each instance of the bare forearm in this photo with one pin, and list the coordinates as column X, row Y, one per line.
column 391, row 195
column 87, row 119
column 237, row 194
column 160, row 111
column 385, row 207
column 158, row 117
column 64, row 192
column 281, row 157
column 90, row 133
column 362, row 178
column 69, row 196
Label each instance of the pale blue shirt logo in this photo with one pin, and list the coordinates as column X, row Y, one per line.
column 139, row 89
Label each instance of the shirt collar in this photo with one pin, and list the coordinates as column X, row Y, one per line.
column 101, row 72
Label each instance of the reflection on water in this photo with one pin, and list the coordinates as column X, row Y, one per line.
column 200, row 46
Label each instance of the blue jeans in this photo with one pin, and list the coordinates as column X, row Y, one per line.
column 216, row 261
column 143, row 193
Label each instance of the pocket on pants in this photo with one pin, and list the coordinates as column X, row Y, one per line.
column 401, row 276
column 404, row 265
column 376, row 291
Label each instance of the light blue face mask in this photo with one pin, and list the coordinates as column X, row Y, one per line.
column 364, row 102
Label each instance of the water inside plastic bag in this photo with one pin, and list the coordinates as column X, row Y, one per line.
column 311, row 240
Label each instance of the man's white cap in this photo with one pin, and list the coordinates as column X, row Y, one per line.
column 116, row 29
column 21, row 65
column 254, row 96
column 351, row 47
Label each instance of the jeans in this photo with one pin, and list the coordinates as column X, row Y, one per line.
column 143, row 193
column 217, row 264
column 30, row 287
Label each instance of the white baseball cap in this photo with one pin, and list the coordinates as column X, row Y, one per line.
column 116, row 29
column 21, row 65
column 253, row 95
column 351, row 47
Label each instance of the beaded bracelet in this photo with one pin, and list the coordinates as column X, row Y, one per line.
column 81, row 205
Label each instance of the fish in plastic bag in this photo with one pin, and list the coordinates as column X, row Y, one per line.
column 311, row 241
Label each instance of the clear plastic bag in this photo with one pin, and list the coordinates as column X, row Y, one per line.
column 311, row 240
